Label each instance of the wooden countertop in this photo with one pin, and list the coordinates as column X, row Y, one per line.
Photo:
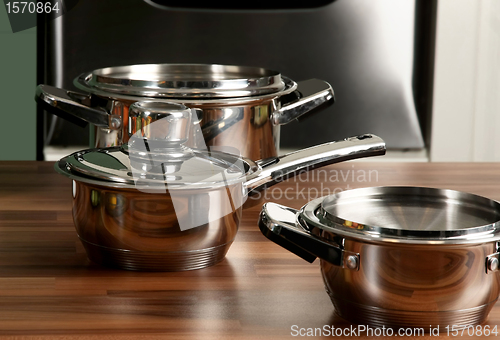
column 49, row 290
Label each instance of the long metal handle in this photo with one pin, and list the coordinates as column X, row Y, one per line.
column 279, row 224
column 277, row 169
column 313, row 95
column 73, row 106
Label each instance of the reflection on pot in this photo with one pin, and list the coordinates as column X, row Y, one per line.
column 413, row 286
column 127, row 226
column 155, row 222
column 116, row 204
column 238, row 106
column 417, row 257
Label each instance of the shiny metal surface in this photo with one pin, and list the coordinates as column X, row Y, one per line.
column 249, row 123
column 407, row 215
column 293, row 163
column 160, row 121
column 413, row 285
column 370, row 68
column 492, row 263
column 317, row 96
column 134, row 230
column 76, row 104
column 178, row 227
column 111, row 166
column 213, row 127
column 114, row 167
column 279, row 224
column 182, row 80
column 400, row 284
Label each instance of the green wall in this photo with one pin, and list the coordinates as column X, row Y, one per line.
column 17, row 91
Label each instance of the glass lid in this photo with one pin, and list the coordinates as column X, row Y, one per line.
column 182, row 81
column 116, row 166
column 155, row 155
column 408, row 214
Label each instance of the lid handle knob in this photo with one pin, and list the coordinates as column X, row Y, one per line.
column 164, row 122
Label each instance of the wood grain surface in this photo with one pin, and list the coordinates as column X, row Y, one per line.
column 50, row 290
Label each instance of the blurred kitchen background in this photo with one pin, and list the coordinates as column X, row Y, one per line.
column 422, row 74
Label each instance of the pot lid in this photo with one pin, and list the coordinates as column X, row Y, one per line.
column 187, row 81
column 114, row 167
column 155, row 156
column 407, row 215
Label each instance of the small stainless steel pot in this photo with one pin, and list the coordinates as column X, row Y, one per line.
column 238, row 106
column 398, row 256
column 153, row 204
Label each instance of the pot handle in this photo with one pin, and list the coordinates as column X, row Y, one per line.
column 493, row 260
column 279, row 224
column 74, row 107
column 277, row 169
column 313, row 95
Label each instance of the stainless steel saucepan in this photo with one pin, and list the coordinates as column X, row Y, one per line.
column 154, row 204
column 237, row 106
column 398, row 256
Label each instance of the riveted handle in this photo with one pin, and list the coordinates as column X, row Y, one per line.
column 74, row 107
column 493, row 261
column 279, row 224
column 311, row 96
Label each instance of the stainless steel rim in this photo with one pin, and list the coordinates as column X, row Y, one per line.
column 183, row 81
column 71, row 167
column 317, row 214
column 254, row 176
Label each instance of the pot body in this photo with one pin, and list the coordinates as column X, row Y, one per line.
column 395, row 282
column 238, row 107
column 249, row 128
column 135, row 230
column 414, row 285
column 168, row 218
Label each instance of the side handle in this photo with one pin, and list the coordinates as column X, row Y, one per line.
column 73, row 107
column 493, row 261
column 279, row 224
column 311, row 96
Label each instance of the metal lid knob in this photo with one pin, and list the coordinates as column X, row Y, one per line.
column 164, row 122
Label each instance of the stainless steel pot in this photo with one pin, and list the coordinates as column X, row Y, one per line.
column 154, row 204
column 398, row 256
column 238, row 106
